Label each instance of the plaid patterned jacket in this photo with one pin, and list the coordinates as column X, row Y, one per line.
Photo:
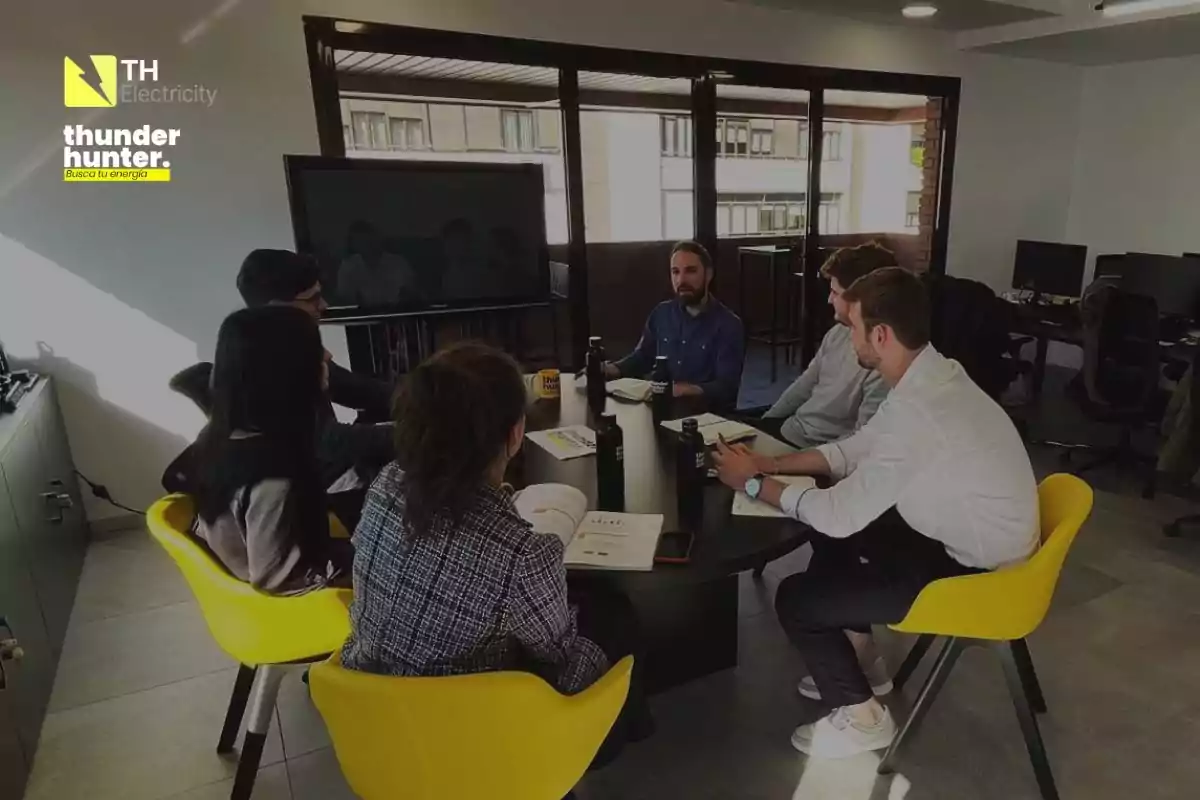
column 487, row 594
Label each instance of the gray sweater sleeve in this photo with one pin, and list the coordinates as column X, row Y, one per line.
column 875, row 391
column 801, row 389
column 273, row 555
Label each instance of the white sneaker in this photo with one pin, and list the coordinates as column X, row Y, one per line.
column 838, row 736
column 877, row 676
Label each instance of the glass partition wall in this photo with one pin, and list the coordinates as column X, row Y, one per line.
column 641, row 149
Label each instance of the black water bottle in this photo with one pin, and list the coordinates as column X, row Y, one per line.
column 595, row 375
column 610, row 465
column 661, row 389
column 691, row 470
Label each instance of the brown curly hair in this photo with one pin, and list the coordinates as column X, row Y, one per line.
column 453, row 416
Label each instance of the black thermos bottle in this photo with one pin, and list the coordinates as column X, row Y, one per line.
column 691, row 470
column 661, row 389
column 610, row 464
column 595, row 375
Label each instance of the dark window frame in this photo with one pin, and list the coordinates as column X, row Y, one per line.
column 325, row 35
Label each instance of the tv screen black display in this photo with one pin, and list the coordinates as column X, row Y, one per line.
column 398, row 236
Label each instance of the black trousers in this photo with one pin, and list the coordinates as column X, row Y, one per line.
column 870, row 578
column 606, row 616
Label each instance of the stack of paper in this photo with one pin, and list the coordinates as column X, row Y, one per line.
column 573, row 441
column 632, row 389
column 743, row 506
column 713, row 427
column 596, row 539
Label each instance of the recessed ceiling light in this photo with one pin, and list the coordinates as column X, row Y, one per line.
column 919, row 10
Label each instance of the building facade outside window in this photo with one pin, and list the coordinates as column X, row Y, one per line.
column 774, row 214
column 912, row 216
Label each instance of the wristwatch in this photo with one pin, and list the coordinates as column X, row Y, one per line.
column 754, row 486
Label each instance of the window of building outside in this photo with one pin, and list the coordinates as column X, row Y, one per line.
column 762, row 161
column 677, row 136
column 831, row 144
column 917, row 150
column 773, row 214
column 517, row 125
column 442, row 129
column 407, row 133
column 870, row 162
column 369, row 130
column 637, row 145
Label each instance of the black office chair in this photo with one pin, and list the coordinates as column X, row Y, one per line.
column 1118, row 384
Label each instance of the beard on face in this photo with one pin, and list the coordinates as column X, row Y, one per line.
column 690, row 296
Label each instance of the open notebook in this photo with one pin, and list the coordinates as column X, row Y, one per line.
column 595, row 539
column 712, row 427
column 743, row 506
column 633, row 389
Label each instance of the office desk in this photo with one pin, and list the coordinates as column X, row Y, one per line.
column 689, row 613
column 1064, row 324
column 1046, row 324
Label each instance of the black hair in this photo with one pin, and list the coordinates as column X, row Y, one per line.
column 696, row 249
column 266, row 380
column 454, row 414
column 276, row 276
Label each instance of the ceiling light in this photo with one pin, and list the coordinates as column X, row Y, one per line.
column 919, row 10
column 1138, row 6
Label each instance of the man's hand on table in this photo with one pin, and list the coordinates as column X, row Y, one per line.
column 736, row 464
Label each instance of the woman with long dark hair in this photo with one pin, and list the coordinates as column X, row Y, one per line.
column 448, row 578
column 259, row 498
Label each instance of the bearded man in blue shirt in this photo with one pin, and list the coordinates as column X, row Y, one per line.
column 701, row 337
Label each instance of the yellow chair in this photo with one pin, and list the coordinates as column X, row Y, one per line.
column 998, row 608
column 499, row 735
column 263, row 633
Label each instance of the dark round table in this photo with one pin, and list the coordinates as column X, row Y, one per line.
column 688, row 612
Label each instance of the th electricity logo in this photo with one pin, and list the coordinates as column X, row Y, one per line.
column 90, row 82
column 120, row 154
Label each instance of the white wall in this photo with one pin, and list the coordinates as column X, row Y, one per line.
column 1137, row 174
column 127, row 283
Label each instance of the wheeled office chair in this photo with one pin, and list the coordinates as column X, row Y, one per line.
column 1118, row 384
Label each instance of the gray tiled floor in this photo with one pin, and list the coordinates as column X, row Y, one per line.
column 141, row 693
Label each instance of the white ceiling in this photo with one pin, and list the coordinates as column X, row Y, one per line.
column 1169, row 37
column 953, row 15
column 1069, row 31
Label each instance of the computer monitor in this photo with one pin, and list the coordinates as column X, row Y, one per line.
column 1173, row 282
column 1109, row 265
column 1049, row 267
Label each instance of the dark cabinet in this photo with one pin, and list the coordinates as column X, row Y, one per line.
column 43, row 538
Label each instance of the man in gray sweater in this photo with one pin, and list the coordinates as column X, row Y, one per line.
column 834, row 396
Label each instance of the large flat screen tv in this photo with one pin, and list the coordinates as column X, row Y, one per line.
column 396, row 237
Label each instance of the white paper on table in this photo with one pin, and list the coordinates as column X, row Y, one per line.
column 633, row 389
column 712, row 427
column 743, row 506
column 676, row 425
column 596, row 539
column 552, row 508
column 608, row 540
column 573, row 441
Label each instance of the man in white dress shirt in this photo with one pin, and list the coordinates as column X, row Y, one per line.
column 937, row 484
